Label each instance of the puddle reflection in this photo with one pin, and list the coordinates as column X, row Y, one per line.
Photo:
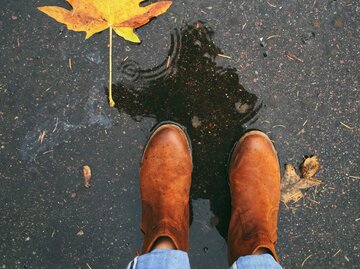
column 191, row 89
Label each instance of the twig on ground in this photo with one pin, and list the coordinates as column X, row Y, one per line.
column 311, row 200
column 41, row 136
column 272, row 5
column 337, row 253
column 224, row 56
column 292, row 56
column 346, row 126
column 56, row 125
column 273, row 36
column 308, row 257
column 49, row 151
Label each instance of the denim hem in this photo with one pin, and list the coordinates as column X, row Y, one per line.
column 264, row 261
column 177, row 259
column 161, row 259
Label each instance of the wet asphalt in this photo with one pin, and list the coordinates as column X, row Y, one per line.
column 289, row 68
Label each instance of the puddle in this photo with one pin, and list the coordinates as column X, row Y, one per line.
column 207, row 247
column 189, row 87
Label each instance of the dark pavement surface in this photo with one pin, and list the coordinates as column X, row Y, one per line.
column 290, row 68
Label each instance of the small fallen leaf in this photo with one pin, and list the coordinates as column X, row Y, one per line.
column 195, row 122
column 86, row 176
column 292, row 183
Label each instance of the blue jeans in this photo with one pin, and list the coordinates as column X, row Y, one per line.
column 177, row 259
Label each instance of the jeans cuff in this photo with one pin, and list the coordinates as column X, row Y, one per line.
column 256, row 262
column 161, row 258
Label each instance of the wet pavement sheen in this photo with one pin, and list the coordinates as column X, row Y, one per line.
column 219, row 68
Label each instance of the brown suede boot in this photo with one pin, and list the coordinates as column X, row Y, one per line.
column 255, row 192
column 165, row 179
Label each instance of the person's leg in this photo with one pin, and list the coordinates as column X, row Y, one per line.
column 254, row 177
column 165, row 178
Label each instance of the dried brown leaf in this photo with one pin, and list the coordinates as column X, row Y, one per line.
column 86, row 176
column 292, row 183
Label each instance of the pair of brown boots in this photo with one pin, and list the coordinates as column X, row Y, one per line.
column 165, row 179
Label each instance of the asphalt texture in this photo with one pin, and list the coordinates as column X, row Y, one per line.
column 289, row 68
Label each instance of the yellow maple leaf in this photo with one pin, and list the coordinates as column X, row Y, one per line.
column 94, row 16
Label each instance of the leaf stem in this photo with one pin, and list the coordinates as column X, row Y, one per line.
column 111, row 101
